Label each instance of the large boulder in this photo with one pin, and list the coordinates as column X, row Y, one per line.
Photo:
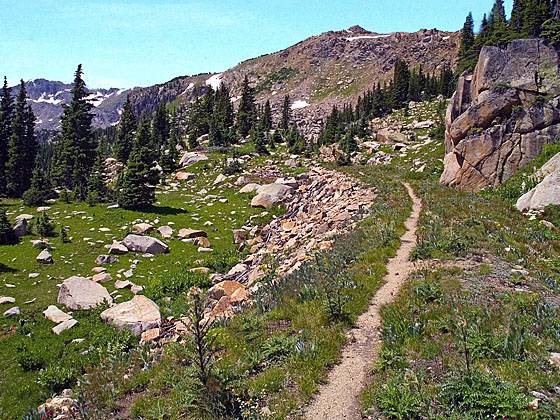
column 501, row 116
column 137, row 315
column 190, row 158
column 45, row 257
column 270, row 194
column 80, row 293
column 145, row 244
column 547, row 192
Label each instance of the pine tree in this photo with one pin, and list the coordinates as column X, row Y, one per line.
column 170, row 156
column 516, row 20
column 401, row 78
column 97, row 190
column 76, row 146
column 259, row 138
column 39, row 191
column 137, row 183
column 160, row 128
column 535, row 13
column 267, row 116
column 44, row 226
column 286, row 114
column 223, row 116
column 125, row 133
column 7, row 234
column 6, row 120
column 246, row 111
column 22, row 147
column 467, row 38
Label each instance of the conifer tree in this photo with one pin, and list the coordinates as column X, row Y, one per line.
column 467, row 38
column 259, row 138
column 125, row 133
column 22, row 147
column 44, row 226
column 97, row 190
column 7, row 234
column 76, row 144
column 535, row 13
column 170, row 156
column 6, row 118
column 223, row 116
column 401, row 78
column 137, row 183
column 516, row 19
column 267, row 117
column 39, row 191
column 246, row 111
column 160, row 127
column 286, row 114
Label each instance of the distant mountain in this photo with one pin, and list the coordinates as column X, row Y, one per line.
column 317, row 73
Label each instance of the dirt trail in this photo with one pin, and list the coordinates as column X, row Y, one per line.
column 339, row 397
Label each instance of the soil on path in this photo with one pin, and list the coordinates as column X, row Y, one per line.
column 339, row 397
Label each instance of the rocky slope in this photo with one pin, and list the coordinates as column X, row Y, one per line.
column 317, row 73
column 502, row 114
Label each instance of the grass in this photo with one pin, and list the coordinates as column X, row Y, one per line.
column 276, row 353
column 30, row 333
column 471, row 342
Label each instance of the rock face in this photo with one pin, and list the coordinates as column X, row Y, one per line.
column 145, row 244
column 502, row 115
column 80, row 293
column 137, row 315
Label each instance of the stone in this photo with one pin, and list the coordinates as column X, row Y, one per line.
column 265, row 201
column 12, row 312
column 101, row 277
column 63, row 326
column 239, row 236
column 386, row 135
column 137, row 315
column 202, row 270
column 204, row 250
column 39, row 243
column 190, row 158
column 52, row 313
column 237, row 269
column 150, row 335
column 184, row 176
column 202, row 241
column 79, row 293
column 106, row 259
column 224, row 288
column 249, row 188
column 165, row 231
column 6, row 299
column 277, row 190
column 498, row 119
column 142, row 228
column 123, row 284
column 20, row 228
column 191, row 233
column 554, row 359
column 118, row 248
column 547, row 192
column 45, row 257
column 145, row 244
column 291, row 163
column 135, row 289
column 219, row 179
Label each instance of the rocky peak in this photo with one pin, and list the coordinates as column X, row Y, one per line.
column 502, row 114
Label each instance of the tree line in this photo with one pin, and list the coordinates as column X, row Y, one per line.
column 528, row 19
column 342, row 126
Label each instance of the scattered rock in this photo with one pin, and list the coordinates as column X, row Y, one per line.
column 6, row 299
column 63, row 326
column 52, row 313
column 145, row 244
column 191, row 233
column 190, row 158
column 12, row 312
column 80, row 293
column 106, row 259
column 184, row 176
column 165, row 231
column 45, row 257
column 101, row 277
column 118, row 248
column 142, row 228
column 137, row 315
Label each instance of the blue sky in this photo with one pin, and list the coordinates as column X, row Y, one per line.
column 125, row 43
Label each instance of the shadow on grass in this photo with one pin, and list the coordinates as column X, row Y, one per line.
column 163, row 210
column 6, row 269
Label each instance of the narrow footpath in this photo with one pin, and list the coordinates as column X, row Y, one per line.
column 339, row 397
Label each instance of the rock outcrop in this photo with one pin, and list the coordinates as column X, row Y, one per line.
column 137, row 315
column 502, row 114
column 547, row 191
column 80, row 293
column 145, row 244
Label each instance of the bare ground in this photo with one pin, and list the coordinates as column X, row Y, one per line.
column 339, row 397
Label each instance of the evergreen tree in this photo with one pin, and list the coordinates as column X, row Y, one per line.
column 401, row 78
column 160, row 127
column 97, row 190
column 223, row 115
column 22, row 147
column 267, row 117
column 137, row 183
column 259, row 138
column 7, row 234
column 246, row 111
column 535, row 13
column 467, row 38
column 44, row 226
column 125, row 133
column 170, row 156
column 516, row 20
column 76, row 146
column 40, row 190
column 551, row 31
column 286, row 114
column 348, row 143
column 6, row 119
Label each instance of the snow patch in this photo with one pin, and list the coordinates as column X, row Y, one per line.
column 355, row 38
column 189, row 87
column 96, row 98
column 47, row 99
column 215, row 81
column 299, row 105
column 445, row 38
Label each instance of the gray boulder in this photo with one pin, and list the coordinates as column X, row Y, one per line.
column 190, row 158
column 145, row 244
column 45, row 257
column 547, row 192
column 80, row 293
column 137, row 315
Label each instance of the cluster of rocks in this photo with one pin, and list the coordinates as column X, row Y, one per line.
column 502, row 115
column 320, row 205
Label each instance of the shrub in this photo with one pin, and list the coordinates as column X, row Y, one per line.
column 223, row 261
column 44, row 226
column 56, row 378
column 480, row 395
column 397, row 399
